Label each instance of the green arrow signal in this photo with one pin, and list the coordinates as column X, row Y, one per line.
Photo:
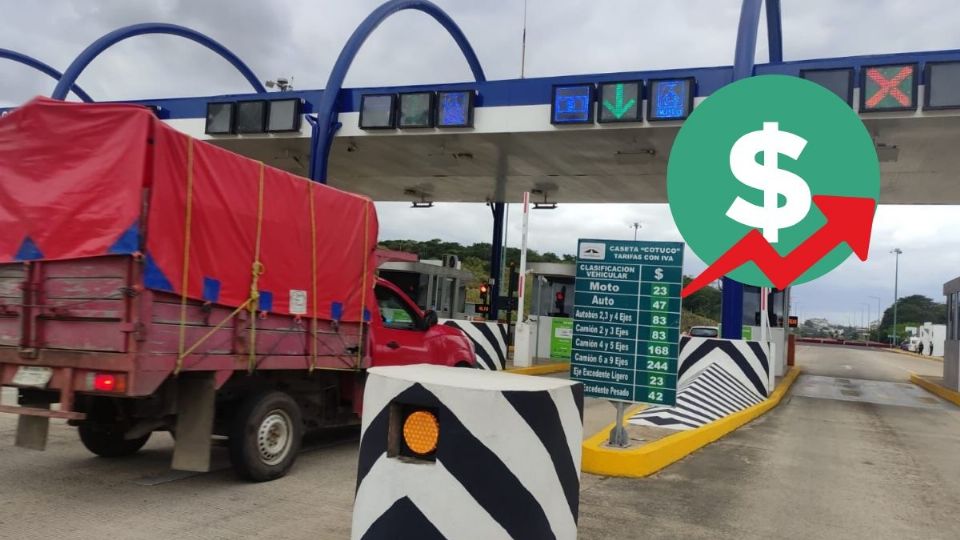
column 620, row 108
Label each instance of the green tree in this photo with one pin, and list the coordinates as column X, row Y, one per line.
column 705, row 302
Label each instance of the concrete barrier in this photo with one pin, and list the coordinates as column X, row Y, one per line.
column 716, row 378
column 489, row 341
column 458, row 453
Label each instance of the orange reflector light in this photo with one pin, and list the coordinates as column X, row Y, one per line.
column 421, row 432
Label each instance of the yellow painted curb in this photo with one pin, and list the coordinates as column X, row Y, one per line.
column 915, row 355
column 650, row 458
column 934, row 388
column 541, row 369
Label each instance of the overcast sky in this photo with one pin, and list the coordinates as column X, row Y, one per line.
column 301, row 38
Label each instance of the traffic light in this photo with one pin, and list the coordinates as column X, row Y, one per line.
column 484, row 291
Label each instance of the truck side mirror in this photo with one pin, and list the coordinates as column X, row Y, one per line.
column 430, row 319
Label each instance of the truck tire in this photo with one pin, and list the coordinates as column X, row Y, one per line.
column 265, row 436
column 106, row 440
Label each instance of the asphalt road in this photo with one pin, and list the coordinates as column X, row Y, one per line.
column 812, row 468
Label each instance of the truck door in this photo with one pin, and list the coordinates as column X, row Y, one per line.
column 399, row 335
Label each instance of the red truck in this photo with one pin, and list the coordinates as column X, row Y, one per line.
column 153, row 282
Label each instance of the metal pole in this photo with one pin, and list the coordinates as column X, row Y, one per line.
column 896, row 293
column 496, row 258
column 618, row 435
column 522, row 276
column 879, row 316
column 866, row 324
column 523, row 42
column 521, row 343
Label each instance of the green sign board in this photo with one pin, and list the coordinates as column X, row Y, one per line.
column 561, row 338
column 626, row 321
column 746, row 331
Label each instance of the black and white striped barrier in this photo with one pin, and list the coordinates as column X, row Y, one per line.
column 461, row 453
column 489, row 341
column 717, row 377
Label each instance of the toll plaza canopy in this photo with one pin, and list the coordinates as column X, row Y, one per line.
column 89, row 180
column 529, row 134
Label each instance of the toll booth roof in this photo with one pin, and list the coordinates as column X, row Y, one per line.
column 427, row 269
column 551, row 270
column 474, row 379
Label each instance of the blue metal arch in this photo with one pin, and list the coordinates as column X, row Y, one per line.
column 80, row 63
column 744, row 60
column 326, row 125
column 43, row 68
column 745, row 54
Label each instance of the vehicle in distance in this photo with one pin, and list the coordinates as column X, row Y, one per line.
column 704, row 331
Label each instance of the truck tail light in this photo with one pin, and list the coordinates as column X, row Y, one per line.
column 107, row 382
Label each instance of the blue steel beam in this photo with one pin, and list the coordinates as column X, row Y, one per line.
column 327, row 112
column 744, row 59
column 80, row 63
column 43, row 68
column 774, row 31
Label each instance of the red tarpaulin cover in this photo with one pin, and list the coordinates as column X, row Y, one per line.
column 73, row 178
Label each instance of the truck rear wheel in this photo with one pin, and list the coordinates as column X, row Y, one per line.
column 265, row 436
column 106, row 440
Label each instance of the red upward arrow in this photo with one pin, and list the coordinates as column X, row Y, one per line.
column 849, row 219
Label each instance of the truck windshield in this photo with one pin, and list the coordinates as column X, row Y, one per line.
column 394, row 312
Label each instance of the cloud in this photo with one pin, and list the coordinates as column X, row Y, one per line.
column 302, row 38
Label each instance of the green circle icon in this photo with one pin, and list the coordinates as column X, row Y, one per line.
column 752, row 156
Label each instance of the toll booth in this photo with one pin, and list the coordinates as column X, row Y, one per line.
column 551, row 311
column 951, row 348
column 778, row 309
column 440, row 285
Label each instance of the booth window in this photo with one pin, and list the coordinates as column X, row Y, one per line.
column 953, row 316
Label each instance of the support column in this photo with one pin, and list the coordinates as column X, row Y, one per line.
column 731, row 309
column 496, row 253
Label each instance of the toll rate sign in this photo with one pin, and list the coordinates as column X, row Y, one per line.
column 626, row 320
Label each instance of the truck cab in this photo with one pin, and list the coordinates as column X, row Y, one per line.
column 403, row 334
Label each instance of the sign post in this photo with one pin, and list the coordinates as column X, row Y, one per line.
column 522, row 352
column 626, row 323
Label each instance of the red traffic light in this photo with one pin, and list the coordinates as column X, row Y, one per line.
column 484, row 288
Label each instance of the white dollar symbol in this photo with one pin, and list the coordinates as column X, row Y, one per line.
column 770, row 179
column 658, row 273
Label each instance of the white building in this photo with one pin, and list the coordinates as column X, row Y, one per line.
column 932, row 336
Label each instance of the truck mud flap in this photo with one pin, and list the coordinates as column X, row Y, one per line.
column 32, row 430
column 195, row 411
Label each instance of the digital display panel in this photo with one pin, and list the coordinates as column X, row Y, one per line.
column 416, row 110
column 670, row 99
column 888, row 88
column 219, row 118
column 455, row 109
column 377, row 111
column 284, row 115
column 251, row 116
column 572, row 104
column 838, row 81
column 943, row 86
column 620, row 102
